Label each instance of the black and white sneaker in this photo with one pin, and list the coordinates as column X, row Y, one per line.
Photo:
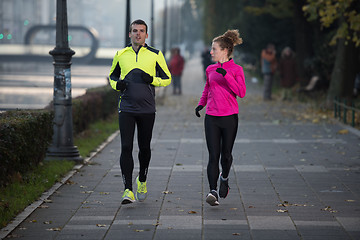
column 212, row 198
column 224, row 187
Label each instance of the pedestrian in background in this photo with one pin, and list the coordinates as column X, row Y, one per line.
column 288, row 73
column 268, row 68
column 176, row 66
column 224, row 82
column 206, row 60
column 135, row 71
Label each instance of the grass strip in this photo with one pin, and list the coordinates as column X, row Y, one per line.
column 25, row 189
column 97, row 133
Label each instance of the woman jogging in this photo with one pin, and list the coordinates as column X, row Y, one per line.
column 224, row 81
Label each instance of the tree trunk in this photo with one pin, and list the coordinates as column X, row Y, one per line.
column 344, row 72
column 303, row 36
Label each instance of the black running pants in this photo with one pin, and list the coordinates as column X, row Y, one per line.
column 127, row 123
column 220, row 133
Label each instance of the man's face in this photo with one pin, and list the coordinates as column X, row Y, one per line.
column 138, row 34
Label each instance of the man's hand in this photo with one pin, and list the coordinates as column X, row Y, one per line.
column 197, row 109
column 146, row 77
column 121, row 85
column 221, row 71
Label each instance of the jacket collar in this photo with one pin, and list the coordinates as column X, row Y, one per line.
column 230, row 62
column 141, row 46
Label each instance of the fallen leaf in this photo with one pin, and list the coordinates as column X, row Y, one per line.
column 281, row 210
column 130, row 223
column 178, row 164
column 54, row 229
column 87, row 192
column 44, row 206
column 167, row 192
column 287, row 204
column 85, row 202
column 47, row 222
column 13, row 235
column 192, row 212
column 276, row 122
column 69, row 182
column 251, row 207
column 236, row 234
column 329, row 209
column 48, row 201
column 81, row 186
column 343, row 131
column 350, row 200
column 234, row 209
column 138, row 230
column 33, row 221
column 101, row 225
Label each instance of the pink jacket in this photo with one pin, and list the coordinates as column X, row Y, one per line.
column 219, row 95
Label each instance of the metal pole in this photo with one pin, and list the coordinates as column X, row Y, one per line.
column 152, row 24
column 345, row 112
column 164, row 28
column 127, row 27
column 62, row 146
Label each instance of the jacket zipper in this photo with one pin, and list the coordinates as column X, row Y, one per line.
column 137, row 53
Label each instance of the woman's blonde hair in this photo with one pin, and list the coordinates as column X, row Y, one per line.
column 228, row 40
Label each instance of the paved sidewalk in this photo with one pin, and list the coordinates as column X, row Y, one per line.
column 291, row 179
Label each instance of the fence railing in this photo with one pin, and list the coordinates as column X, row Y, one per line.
column 342, row 109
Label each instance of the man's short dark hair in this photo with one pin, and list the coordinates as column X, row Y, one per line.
column 138, row 22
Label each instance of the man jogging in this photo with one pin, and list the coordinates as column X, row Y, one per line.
column 135, row 71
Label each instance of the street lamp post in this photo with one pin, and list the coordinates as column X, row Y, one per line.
column 127, row 27
column 152, row 24
column 62, row 146
column 164, row 39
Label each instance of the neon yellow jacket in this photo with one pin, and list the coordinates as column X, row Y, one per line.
column 128, row 66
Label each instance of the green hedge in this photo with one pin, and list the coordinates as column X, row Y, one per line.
column 25, row 135
column 96, row 103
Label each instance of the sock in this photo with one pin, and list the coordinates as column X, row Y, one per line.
column 224, row 179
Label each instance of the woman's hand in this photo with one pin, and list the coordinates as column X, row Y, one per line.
column 197, row 109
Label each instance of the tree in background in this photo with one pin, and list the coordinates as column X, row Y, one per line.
column 256, row 30
column 344, row 17
column 290, row 12
column 308, row 26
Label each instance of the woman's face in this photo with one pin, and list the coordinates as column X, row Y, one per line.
column 218, row 54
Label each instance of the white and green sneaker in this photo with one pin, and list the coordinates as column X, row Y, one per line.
column 128, row 197
column 141, row 192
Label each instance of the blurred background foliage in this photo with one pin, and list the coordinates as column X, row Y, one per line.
column 323, row 34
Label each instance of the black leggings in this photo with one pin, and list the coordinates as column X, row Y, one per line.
column 145, row 124
column 220, row 135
